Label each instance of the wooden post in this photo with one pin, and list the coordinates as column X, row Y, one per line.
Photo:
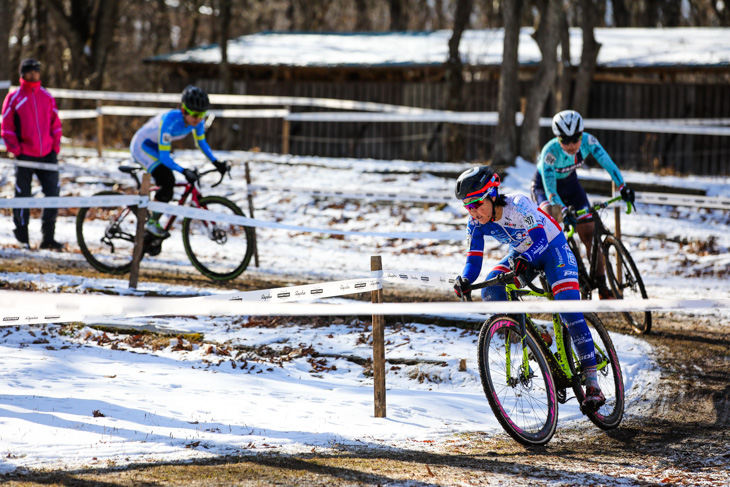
column 139, row 236
column 285, row 135
column 376, row 264
column 99, row 128
column 617, row 232
column 250, row 213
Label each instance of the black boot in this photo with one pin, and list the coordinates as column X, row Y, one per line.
column 21, row 235
column 48, row 242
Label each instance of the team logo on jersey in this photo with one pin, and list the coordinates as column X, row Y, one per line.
column 562, row 264
column 549, row 159
column 166, row 139
column 592, row 140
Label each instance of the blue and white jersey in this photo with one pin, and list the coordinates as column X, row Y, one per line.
column 523, row 226
column 152, row 143
column 555, row 164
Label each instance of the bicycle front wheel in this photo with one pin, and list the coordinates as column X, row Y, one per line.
column 626, row 282
column 517, row 382
column 220, row 251
column 106, row 235
column 610, row 379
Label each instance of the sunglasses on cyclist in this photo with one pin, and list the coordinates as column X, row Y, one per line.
column 570, row 139
column 476, row 203
column 193, row 113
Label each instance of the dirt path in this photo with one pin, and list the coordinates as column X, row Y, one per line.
column 682, row 439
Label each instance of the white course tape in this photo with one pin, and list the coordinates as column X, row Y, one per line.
column 62, row 168
column 200, row 214
column 73, row 201
column 45, row 166
column 217, row 99
column 301, row 293
column 370, row 195
column 684, row 200
column 20, row 307
column 431, row 279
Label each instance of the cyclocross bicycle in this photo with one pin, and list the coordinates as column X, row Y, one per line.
column 623, row 276
column 525, row 373
column 220, row 251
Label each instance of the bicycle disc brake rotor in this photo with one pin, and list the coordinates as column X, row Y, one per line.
column 218, row 235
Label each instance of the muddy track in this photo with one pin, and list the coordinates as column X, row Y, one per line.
column 683, row 438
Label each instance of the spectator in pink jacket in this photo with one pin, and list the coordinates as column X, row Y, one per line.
column 31, row 130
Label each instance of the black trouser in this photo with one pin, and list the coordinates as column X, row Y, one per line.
column 165, row 179
column 49, row 185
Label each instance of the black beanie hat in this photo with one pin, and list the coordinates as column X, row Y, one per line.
column 29, row 64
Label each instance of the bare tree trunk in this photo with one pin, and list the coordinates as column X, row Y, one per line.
column 225, row 25
column 6, row 17
column 398, row 19
column 90, row 34
column 455, row 81
column 589, row 56
column 621, row 15
column 547, row 36
column 505, row 135
column 362, row 22
column 563, row 84
column 162, row 28
column 439, row 22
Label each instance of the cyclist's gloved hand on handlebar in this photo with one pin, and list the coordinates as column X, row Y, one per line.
column 222, row 166
column 462, row 287
column 191, row 176
column 569, row 215
column 627, row 194
column 521, row 266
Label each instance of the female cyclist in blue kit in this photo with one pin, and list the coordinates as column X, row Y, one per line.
column 534, row 239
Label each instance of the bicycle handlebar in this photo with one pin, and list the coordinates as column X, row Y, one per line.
column 599, row 206
column 507, row 278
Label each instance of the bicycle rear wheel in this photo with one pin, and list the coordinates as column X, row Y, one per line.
column 610, row 378
column 519, row 386
column 106, row 235
column 627, row 284
column 220, row 251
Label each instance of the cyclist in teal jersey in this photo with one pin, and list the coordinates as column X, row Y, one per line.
column 151, row 147
column 556, row 182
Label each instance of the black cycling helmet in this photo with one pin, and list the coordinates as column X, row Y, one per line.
column 477, row 181
column 195, row 99
column 28, row 65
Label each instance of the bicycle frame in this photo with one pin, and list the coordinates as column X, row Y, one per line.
column 190, row 191
column 558, row 361
column 599, row 231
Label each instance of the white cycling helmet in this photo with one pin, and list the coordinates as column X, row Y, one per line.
column 567, row 123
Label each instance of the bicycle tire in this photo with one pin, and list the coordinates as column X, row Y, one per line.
column 631, row 285
column 610, row 378
column 527, row 409
column 210, row 260
column 108, row 247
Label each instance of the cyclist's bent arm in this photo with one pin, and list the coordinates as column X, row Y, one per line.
column 600, row 154
column 201, row 143
column 549, row 179
column 475, row 252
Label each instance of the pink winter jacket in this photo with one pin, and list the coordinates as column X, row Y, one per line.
column 30, row 124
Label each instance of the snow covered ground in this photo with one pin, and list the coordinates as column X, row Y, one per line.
column 77, row 396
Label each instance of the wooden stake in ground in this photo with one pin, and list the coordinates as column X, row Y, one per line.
column 376, row 264
column 139, row 236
